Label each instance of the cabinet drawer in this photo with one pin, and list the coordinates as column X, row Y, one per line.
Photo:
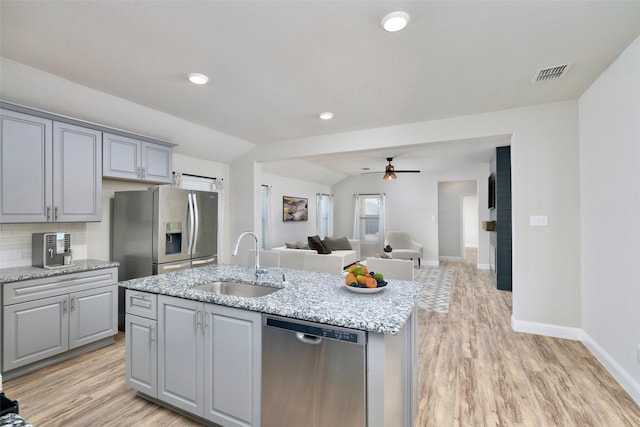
column 29, row 290
column 141, row 304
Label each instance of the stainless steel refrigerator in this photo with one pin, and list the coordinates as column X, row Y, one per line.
column 164, row 229
column 160, row 230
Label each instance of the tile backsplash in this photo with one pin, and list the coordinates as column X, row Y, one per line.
column 15, row 241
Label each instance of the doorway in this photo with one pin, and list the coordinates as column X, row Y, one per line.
column 457, row 218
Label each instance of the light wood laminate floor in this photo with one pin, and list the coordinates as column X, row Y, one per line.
column 474, row 371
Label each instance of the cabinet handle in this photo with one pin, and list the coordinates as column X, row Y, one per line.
column 206, row 321
column 73, row 303
column 55, row 213
column 64, row 306
column 195, row 321
column 199, row 315
column 48, row 213
column 138, row 174
column 144, row 173
column 151, row 333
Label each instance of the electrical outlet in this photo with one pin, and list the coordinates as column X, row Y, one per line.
column 538, row 220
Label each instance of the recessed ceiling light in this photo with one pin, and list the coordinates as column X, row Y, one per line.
column 395, row 21
column 198, row 79
column 326, row 115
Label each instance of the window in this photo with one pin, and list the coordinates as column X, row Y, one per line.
column 368, row 225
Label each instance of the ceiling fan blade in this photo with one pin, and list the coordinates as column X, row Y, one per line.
column 408, row 171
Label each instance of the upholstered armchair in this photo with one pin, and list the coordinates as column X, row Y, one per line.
column 403, row 246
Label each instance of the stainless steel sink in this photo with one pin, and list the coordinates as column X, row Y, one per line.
column 237, row 289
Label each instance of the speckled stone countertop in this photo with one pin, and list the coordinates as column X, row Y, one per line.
column 16, row 274
column 316, row 297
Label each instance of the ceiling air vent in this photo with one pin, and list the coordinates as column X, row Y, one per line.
column 551, row 73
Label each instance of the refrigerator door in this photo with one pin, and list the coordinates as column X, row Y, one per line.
column 171, row 221
column 205, row 240
column 171, row 266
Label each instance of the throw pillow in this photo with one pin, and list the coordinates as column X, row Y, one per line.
column 290, row 245
column 316, row 244
column 337, row 243
column 303, row 245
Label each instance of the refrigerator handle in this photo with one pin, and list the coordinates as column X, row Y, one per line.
column 194, row 202
column 191, row 225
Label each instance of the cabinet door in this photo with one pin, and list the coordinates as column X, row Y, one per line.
column 77, row 173
column 93, row 315
column 34, row 330
column 233, row 357
column 121, row 157
column 180, row 353
column 141, row 364
column 156, row 163
column 25, row 168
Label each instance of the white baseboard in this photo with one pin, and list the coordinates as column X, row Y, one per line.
column 619, row 373
column 483, row 267
column 450, row 258
column 610, row 364
column 546, row 329
column 430, row 263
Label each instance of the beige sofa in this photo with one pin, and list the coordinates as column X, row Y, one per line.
column 295, row 258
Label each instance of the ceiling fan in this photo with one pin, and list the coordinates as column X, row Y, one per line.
column 390, row 171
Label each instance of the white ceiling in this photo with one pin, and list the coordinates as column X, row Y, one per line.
column 274, row 65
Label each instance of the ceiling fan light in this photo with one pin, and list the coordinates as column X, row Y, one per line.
column 395, row 21
column 389, row 176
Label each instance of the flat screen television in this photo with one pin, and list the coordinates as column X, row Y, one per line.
column 492, row 191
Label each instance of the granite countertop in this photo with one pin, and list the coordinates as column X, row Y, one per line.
column 16, row 274
column 316, row 297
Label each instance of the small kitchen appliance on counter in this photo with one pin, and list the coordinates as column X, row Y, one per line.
column 51, row 250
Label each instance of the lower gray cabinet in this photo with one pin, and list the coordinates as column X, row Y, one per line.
column 209, row 360
column 142, row 358
column 47, row 317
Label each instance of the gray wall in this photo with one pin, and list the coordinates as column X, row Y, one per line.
column 450, row 216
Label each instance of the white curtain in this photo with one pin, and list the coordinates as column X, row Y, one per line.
column 265, row 201
column 356, row 217
column 324, row 215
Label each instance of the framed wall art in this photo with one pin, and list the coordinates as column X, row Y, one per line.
column 295, row 208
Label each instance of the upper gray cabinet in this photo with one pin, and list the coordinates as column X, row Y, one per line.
column 49, row 171
column 128, row 158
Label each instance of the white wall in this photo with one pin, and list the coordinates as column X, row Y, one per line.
column 609, row 210
column 291, row 231
column 470, row 221
column 411, row 205
column 450, row 216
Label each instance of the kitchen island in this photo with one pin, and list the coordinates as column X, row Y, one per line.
column 175, row 331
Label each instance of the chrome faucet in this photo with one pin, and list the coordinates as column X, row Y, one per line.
column 259, row 270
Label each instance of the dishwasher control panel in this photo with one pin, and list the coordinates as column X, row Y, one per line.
column 317, row 330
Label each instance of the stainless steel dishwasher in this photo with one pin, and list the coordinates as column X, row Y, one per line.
column 313, row 375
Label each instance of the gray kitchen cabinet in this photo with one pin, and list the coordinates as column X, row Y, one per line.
column 141, row 363
column 50, row 171
column 133, row 159
column 233, row 360
column 209, row 360
column 46, row 317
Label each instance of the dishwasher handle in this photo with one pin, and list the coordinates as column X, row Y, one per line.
column 308, row 339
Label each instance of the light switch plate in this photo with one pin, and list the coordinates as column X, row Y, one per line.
column 638, row 353
column 538, row 220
